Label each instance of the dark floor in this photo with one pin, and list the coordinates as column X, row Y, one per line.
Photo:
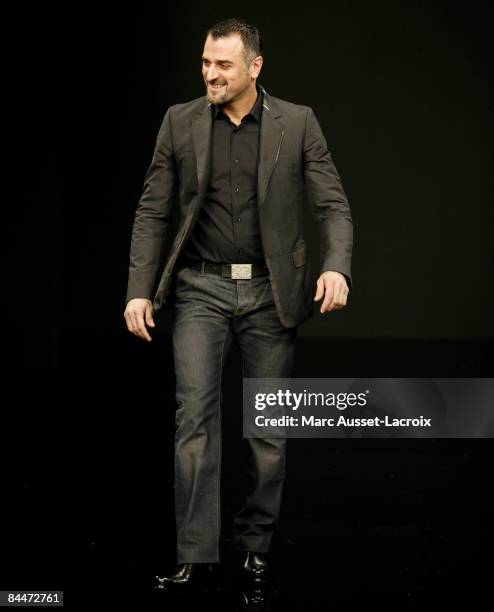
column 396, row 524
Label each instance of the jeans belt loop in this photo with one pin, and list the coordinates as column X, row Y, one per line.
column 203, row 265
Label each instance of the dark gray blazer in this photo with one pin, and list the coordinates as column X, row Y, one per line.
column 293, row 160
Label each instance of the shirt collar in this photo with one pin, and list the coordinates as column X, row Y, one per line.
column 255, row 111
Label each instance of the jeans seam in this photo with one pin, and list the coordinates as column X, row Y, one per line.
column 242, row 480
column 218, row 469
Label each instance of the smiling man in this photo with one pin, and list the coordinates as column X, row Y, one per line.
column 240, row 161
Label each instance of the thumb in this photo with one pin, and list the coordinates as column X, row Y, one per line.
column 149, row 316
column 320, row 289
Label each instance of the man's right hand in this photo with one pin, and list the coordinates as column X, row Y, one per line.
column 138, row 314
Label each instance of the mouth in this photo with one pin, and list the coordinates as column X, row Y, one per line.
column 216, row 87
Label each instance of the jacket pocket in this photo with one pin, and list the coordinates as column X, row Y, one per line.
column 299, row 256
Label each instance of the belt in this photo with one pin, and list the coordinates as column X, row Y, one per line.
column 227, row 270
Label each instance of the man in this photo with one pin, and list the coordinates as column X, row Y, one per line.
column 239, row 160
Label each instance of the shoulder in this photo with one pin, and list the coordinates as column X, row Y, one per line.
column 289, row 108
column 183, row 110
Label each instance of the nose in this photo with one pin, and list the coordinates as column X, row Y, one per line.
column 211, row 74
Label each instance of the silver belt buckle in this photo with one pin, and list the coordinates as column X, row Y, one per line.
column 241, row 270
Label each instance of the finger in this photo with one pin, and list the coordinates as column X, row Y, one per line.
column 133, row 322
column 149, row 316
column 129, row 320
column 320, row 290
column 338, row 301
column 143, row 332
column 340, row 298
column 136, row 325
column 328, row 298
column 344, row 296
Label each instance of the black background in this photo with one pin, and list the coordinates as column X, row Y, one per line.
column 401, row 92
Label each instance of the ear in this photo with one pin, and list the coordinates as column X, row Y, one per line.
column 256, row 66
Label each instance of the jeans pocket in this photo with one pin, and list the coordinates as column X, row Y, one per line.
column 180, row 281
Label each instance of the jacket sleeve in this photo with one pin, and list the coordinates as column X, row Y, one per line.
column 152, row 217
column 328, row 201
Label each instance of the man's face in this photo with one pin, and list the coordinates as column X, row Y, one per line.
column 224, row 70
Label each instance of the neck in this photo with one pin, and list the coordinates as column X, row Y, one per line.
column 236, row 109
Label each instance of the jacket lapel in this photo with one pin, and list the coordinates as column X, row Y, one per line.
column 271, row 137
column 202, row 128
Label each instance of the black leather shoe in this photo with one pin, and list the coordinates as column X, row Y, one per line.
column 190, row 577
column 256, row 568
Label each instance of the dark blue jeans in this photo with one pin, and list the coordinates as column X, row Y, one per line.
column 208, row 311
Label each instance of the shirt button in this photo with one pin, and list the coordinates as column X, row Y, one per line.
column 238, row 218
column 236, row 161
column 236, row 189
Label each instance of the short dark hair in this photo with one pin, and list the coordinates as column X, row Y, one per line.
column 250, row 35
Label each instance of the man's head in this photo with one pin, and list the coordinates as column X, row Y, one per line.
column 232, row 59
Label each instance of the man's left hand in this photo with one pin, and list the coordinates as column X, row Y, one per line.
column 333, row 286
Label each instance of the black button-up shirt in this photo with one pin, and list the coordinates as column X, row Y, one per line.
column 227, row 228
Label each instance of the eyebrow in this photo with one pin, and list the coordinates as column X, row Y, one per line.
column 221, row 61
